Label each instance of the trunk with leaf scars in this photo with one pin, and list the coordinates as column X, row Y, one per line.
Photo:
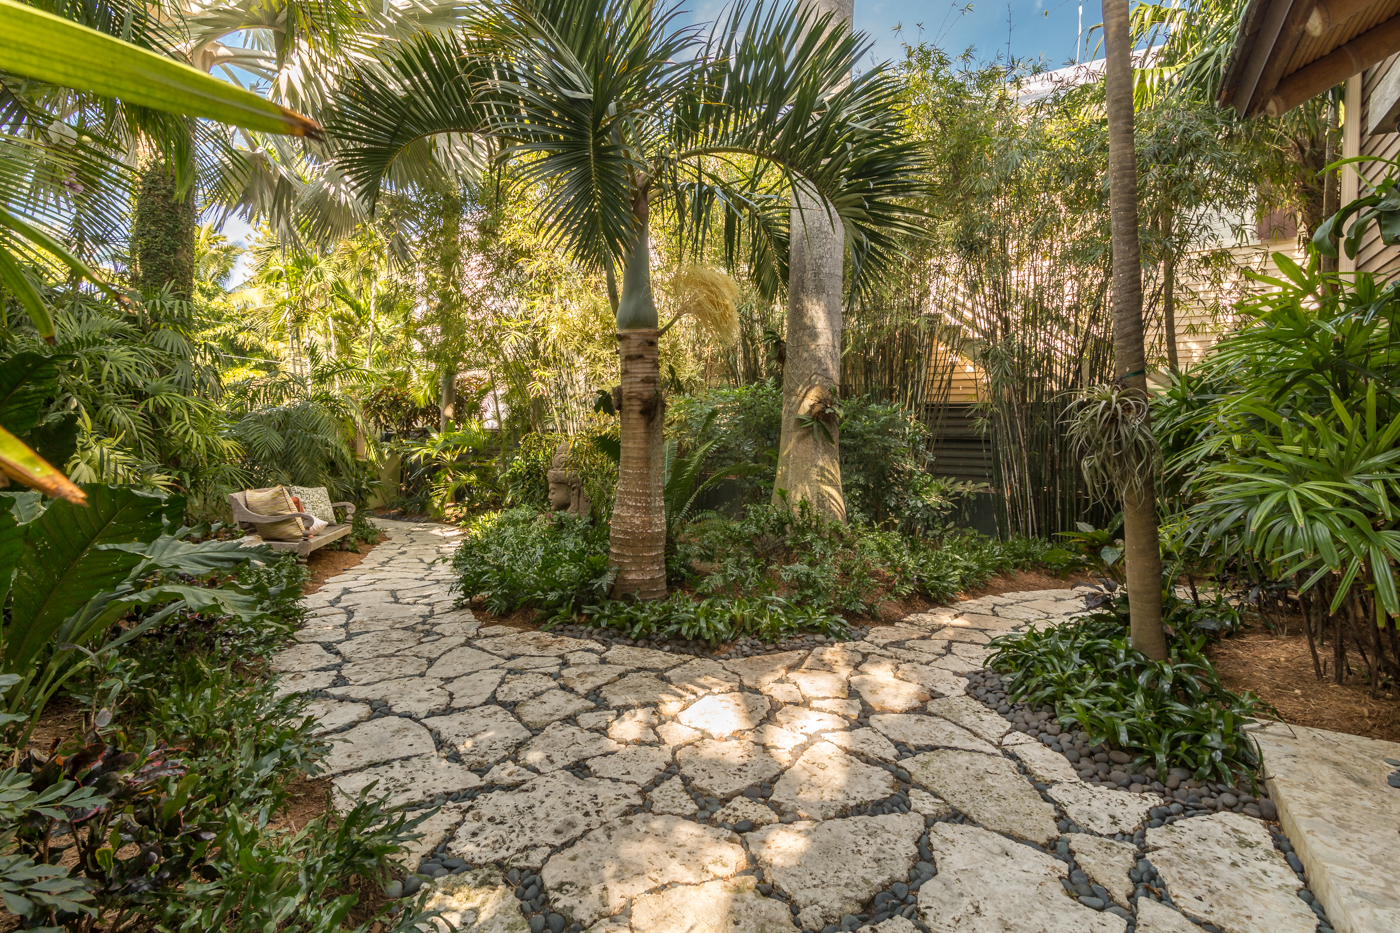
column 638, row 533
column 1141, row 550
column 809, row 451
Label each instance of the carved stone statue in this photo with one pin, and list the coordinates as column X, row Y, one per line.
column 566, row 486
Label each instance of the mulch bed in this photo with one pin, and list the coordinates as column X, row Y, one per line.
column 1279, row 670
column 326, row 563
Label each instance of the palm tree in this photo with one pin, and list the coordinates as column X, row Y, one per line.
column 809, row 449
column 617, row 112
column 1141, row 551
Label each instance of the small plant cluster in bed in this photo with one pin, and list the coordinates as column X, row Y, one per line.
column 768, row 577
column 1084, row 676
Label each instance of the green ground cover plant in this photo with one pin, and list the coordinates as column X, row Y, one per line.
column 165, row 802
column 1172, row 713
column 770, row 574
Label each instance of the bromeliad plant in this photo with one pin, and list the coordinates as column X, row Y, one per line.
column 617, row 111
column 1174, row 713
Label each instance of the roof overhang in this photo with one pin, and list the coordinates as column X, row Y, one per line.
column 1290, row 51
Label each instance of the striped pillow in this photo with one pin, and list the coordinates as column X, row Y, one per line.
column 275, row 500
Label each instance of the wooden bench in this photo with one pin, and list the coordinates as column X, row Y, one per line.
column 249, row 521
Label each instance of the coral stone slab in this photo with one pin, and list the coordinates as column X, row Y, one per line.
column 817, row 684
column 531, row 643
column 809, row 722
column 972, row 716
column 551, row 706
column 719, row 715
column 703, row 675
column 308, row 656
column 1224, row 869
column 987, row 788
column 517, row 687
column 375, row 742
column 887, row 693
column 407, row 780
column 730, row 905
column 989, row 884
column 834, row 868
column 478, row 901
column 630, row 856
column 634, row 725
column 524, row 823
column 1107, row 863
column 377, row 644
column 583, row 679
column 1153, row 917
column 866, row 742
column 1045, row 764
column 638, row 764
column 915, row 730
column 417, row 696
column 377, row 670
column 670, row 796
column 761, row 670
column 474, row 689
column 645, row 690
column 482, row 736
column 825, row 781
column 331, row 715
column 647, row 658
column 463, row 660
column 1340, row 812
column 561, row 745
column 1100, row 809
column 723, row 769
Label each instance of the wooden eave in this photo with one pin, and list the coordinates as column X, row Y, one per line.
column 1289, row 51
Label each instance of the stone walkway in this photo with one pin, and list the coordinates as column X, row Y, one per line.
column 619, row 789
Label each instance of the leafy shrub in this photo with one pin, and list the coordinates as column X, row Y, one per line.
column 525, row 480
column 1175, row 713
column 846, row 568
column 883, row 453
column 716, row 619
column 516, row 559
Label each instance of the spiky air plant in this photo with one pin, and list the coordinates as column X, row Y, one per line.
column 1112, row 433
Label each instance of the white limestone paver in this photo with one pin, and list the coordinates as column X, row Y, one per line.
column 1224, row 869
column 833, row 868
column 1101, row 810
column 650, row 788
column 1342, row 817
column 825, row 781
column 989, row 884
column 406, row 780
column 711, row 907
column 1107, row 863
column 628, row 857
column 989, row 789
column 521, row 826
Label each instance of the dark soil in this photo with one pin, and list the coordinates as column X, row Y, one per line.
column 326, row 563
column 1032, row 579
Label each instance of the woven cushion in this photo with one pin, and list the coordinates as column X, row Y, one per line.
column 315, row 501
column 275, row 500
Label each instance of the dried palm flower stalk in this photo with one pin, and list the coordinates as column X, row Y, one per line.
column 711, row 296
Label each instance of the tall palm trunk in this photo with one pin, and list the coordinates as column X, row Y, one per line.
column 809, row 451
column 163, row 232
column 1169, row 291
column 1144, row 559
column 638, row 533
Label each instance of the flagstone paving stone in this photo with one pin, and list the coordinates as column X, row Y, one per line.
column 618, row 788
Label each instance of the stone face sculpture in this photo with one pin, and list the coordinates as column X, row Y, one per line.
column 566, row 486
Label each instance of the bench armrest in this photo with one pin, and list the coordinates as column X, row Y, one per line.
column 349, row 508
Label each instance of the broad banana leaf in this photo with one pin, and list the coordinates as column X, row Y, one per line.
column 49, row 48
column 64, row 564
column 11, row 547
column 176, row 556
column 27, row 381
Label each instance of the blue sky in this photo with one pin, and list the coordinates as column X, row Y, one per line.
column 1039, row 28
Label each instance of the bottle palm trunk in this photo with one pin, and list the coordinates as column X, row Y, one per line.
column 1141, row 551
column 638, row 533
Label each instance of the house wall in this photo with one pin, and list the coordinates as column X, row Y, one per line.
column 1374, row 256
